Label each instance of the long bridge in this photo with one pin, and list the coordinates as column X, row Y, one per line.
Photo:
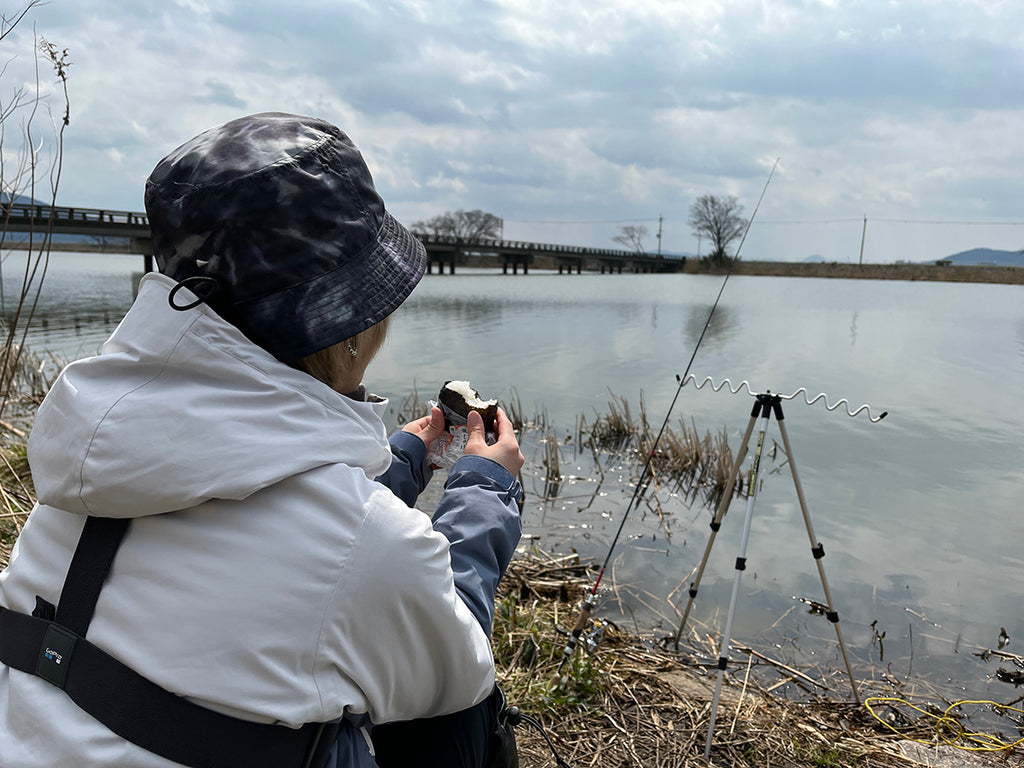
column 128, row 232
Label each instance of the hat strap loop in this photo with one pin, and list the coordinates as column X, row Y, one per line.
column 202, row 286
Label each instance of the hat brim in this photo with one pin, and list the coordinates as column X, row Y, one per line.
column 337, row 304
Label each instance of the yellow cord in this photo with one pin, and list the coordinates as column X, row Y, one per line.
column 949, row 729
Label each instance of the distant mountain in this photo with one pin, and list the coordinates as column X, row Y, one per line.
column 20, row 200
column 814, row 258
column 988, row 256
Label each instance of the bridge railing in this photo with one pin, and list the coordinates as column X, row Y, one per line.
column 487, row 243
column 42, row 213
column 39, row 214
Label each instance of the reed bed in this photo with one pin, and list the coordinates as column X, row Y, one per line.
column 615, row 430
column 25, row 381
column 25, row 378
column 16, row 496
column 699, row 466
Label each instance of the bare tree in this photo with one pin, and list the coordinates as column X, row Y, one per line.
column 720, row 219
column 30, row 170
column 470, row 225
column 632, row 236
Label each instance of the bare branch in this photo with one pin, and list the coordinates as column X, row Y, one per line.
column 470, row 225
column 7, row 25
column 632, row 237
column 20, row 171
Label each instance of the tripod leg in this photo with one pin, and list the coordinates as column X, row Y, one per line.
column 818, row 551
column 716, row 523
column 741, row 564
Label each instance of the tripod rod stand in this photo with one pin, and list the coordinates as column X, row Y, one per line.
column 765, row 405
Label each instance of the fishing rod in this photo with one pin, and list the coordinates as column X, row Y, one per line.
column 591, row 599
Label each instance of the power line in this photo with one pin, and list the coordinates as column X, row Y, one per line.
column 810, row 221
column 844, row 220
column 579, row 221
column 1002, row 222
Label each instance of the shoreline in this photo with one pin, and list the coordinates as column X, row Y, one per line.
column 929, row 272
column 948, row 273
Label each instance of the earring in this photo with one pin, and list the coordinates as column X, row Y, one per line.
column 352, row 348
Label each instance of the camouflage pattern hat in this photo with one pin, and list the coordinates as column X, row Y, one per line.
column 274, row 222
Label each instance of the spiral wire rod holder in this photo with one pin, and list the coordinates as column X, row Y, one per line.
column 745, row 385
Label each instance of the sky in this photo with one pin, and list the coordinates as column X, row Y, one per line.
column 572, row 118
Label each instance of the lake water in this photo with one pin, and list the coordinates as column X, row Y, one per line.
column 920, row 514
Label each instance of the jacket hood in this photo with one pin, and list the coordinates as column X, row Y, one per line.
column 179, row 408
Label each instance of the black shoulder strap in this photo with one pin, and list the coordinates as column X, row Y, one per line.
column 126, row 702
column 101, row 538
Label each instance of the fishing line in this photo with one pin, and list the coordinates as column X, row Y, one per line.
column 947, row 727
column 591, row 599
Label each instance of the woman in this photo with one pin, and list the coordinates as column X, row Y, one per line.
column 214, row 575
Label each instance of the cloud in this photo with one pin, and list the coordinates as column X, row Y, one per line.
column 578, row 110
column 217, row 92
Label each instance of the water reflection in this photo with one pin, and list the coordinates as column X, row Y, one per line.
column 723, row 326
column 467, row 312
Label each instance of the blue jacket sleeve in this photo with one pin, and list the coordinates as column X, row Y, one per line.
column 408, row 474
column 479, row 515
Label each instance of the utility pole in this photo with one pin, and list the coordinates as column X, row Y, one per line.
column 863, row 234
column 659, row 235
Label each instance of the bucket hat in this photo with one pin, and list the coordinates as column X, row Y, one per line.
column 273, row 221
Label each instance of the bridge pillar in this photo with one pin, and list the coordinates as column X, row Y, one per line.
column 515, row 261
column 567, row 263
column 440, row 259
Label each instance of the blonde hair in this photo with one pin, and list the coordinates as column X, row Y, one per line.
column 331, row 364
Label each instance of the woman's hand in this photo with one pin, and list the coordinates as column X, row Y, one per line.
column 505, row 451
column 429, row 428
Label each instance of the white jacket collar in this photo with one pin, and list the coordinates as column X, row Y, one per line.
column 180, row 407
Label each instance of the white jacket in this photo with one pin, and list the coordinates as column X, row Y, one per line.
column 265, row 574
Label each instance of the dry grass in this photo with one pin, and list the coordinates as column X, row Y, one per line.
column 628, row 704
column 698, row 466
column 26, row 383
column 16, row 496
column 615, row 430
column 25, row 378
